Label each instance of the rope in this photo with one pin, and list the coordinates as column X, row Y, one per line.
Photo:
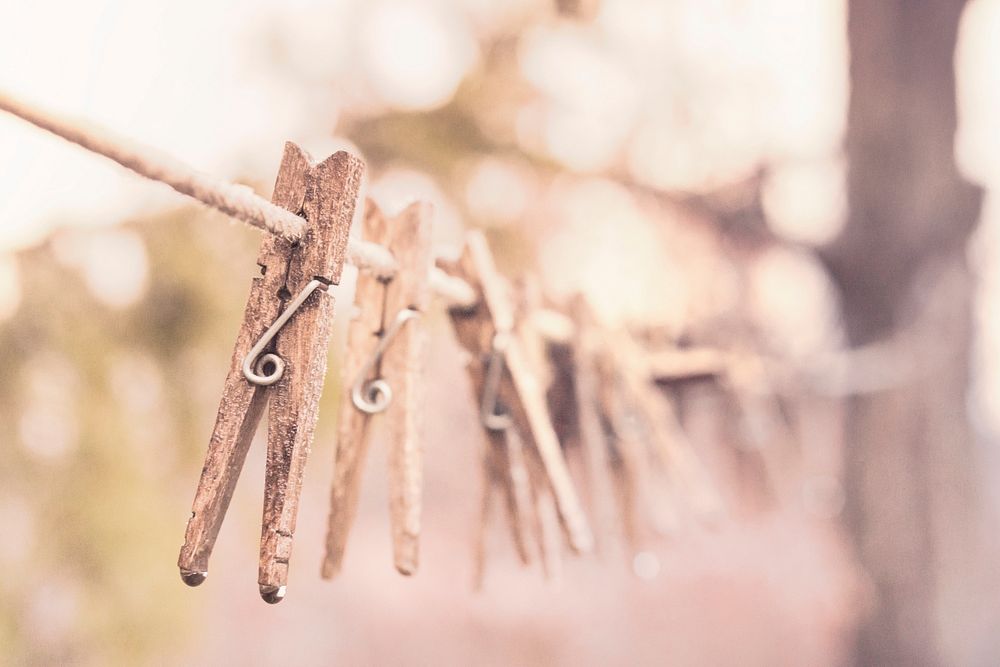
column 237, row 201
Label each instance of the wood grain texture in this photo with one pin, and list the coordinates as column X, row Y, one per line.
column 242, row 403
column 520, row 391
column 331, row 195
column 408, row 237
column 352, row 429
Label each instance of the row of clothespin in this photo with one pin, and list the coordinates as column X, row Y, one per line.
column 556, row 392
column 546, row 402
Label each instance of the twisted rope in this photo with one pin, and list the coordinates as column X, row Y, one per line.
column 236, row 201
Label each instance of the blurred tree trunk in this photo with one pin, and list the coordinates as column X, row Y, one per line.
column 901, row 267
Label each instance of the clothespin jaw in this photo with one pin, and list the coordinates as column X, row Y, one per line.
column 290, row 311
column 487, row 329
column 382, row 375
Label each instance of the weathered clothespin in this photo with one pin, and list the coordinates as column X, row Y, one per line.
column 615, row 457
column 665, row 435
column 531, row 319
column 382, row 373
column 505, row 472
column 762, row 425
column 511, row 395
column 280, row 356
column 538, row 518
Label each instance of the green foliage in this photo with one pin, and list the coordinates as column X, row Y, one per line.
column 91, row 578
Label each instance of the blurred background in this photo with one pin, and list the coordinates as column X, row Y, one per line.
column 804, row 183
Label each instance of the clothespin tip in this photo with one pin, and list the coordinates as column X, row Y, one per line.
column 193, row 578
column 272, row 594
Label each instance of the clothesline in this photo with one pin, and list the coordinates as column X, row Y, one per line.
column 235, row 200
column 242, row 203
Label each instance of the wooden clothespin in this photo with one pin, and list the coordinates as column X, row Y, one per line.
column 532, row 315
column 612, row 450
column 280, row 355
column 663, row 430
column 538, row 514
column 510, row 393
column 623, row 418
column 382, row 374
column 762, row 425
column 505, row 471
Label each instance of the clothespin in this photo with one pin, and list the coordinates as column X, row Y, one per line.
column 762, row 424
column 609, row 439
column 665, row 435
column 505, row 472
column 280, row 356
column 623, row 417
column 532, row 326
column 538, row 514
column 512, row 471
column 510, row 393
column 382, row 375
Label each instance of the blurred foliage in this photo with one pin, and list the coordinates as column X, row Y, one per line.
column 102, row 509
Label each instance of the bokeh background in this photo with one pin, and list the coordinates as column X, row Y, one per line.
column 806, row 183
